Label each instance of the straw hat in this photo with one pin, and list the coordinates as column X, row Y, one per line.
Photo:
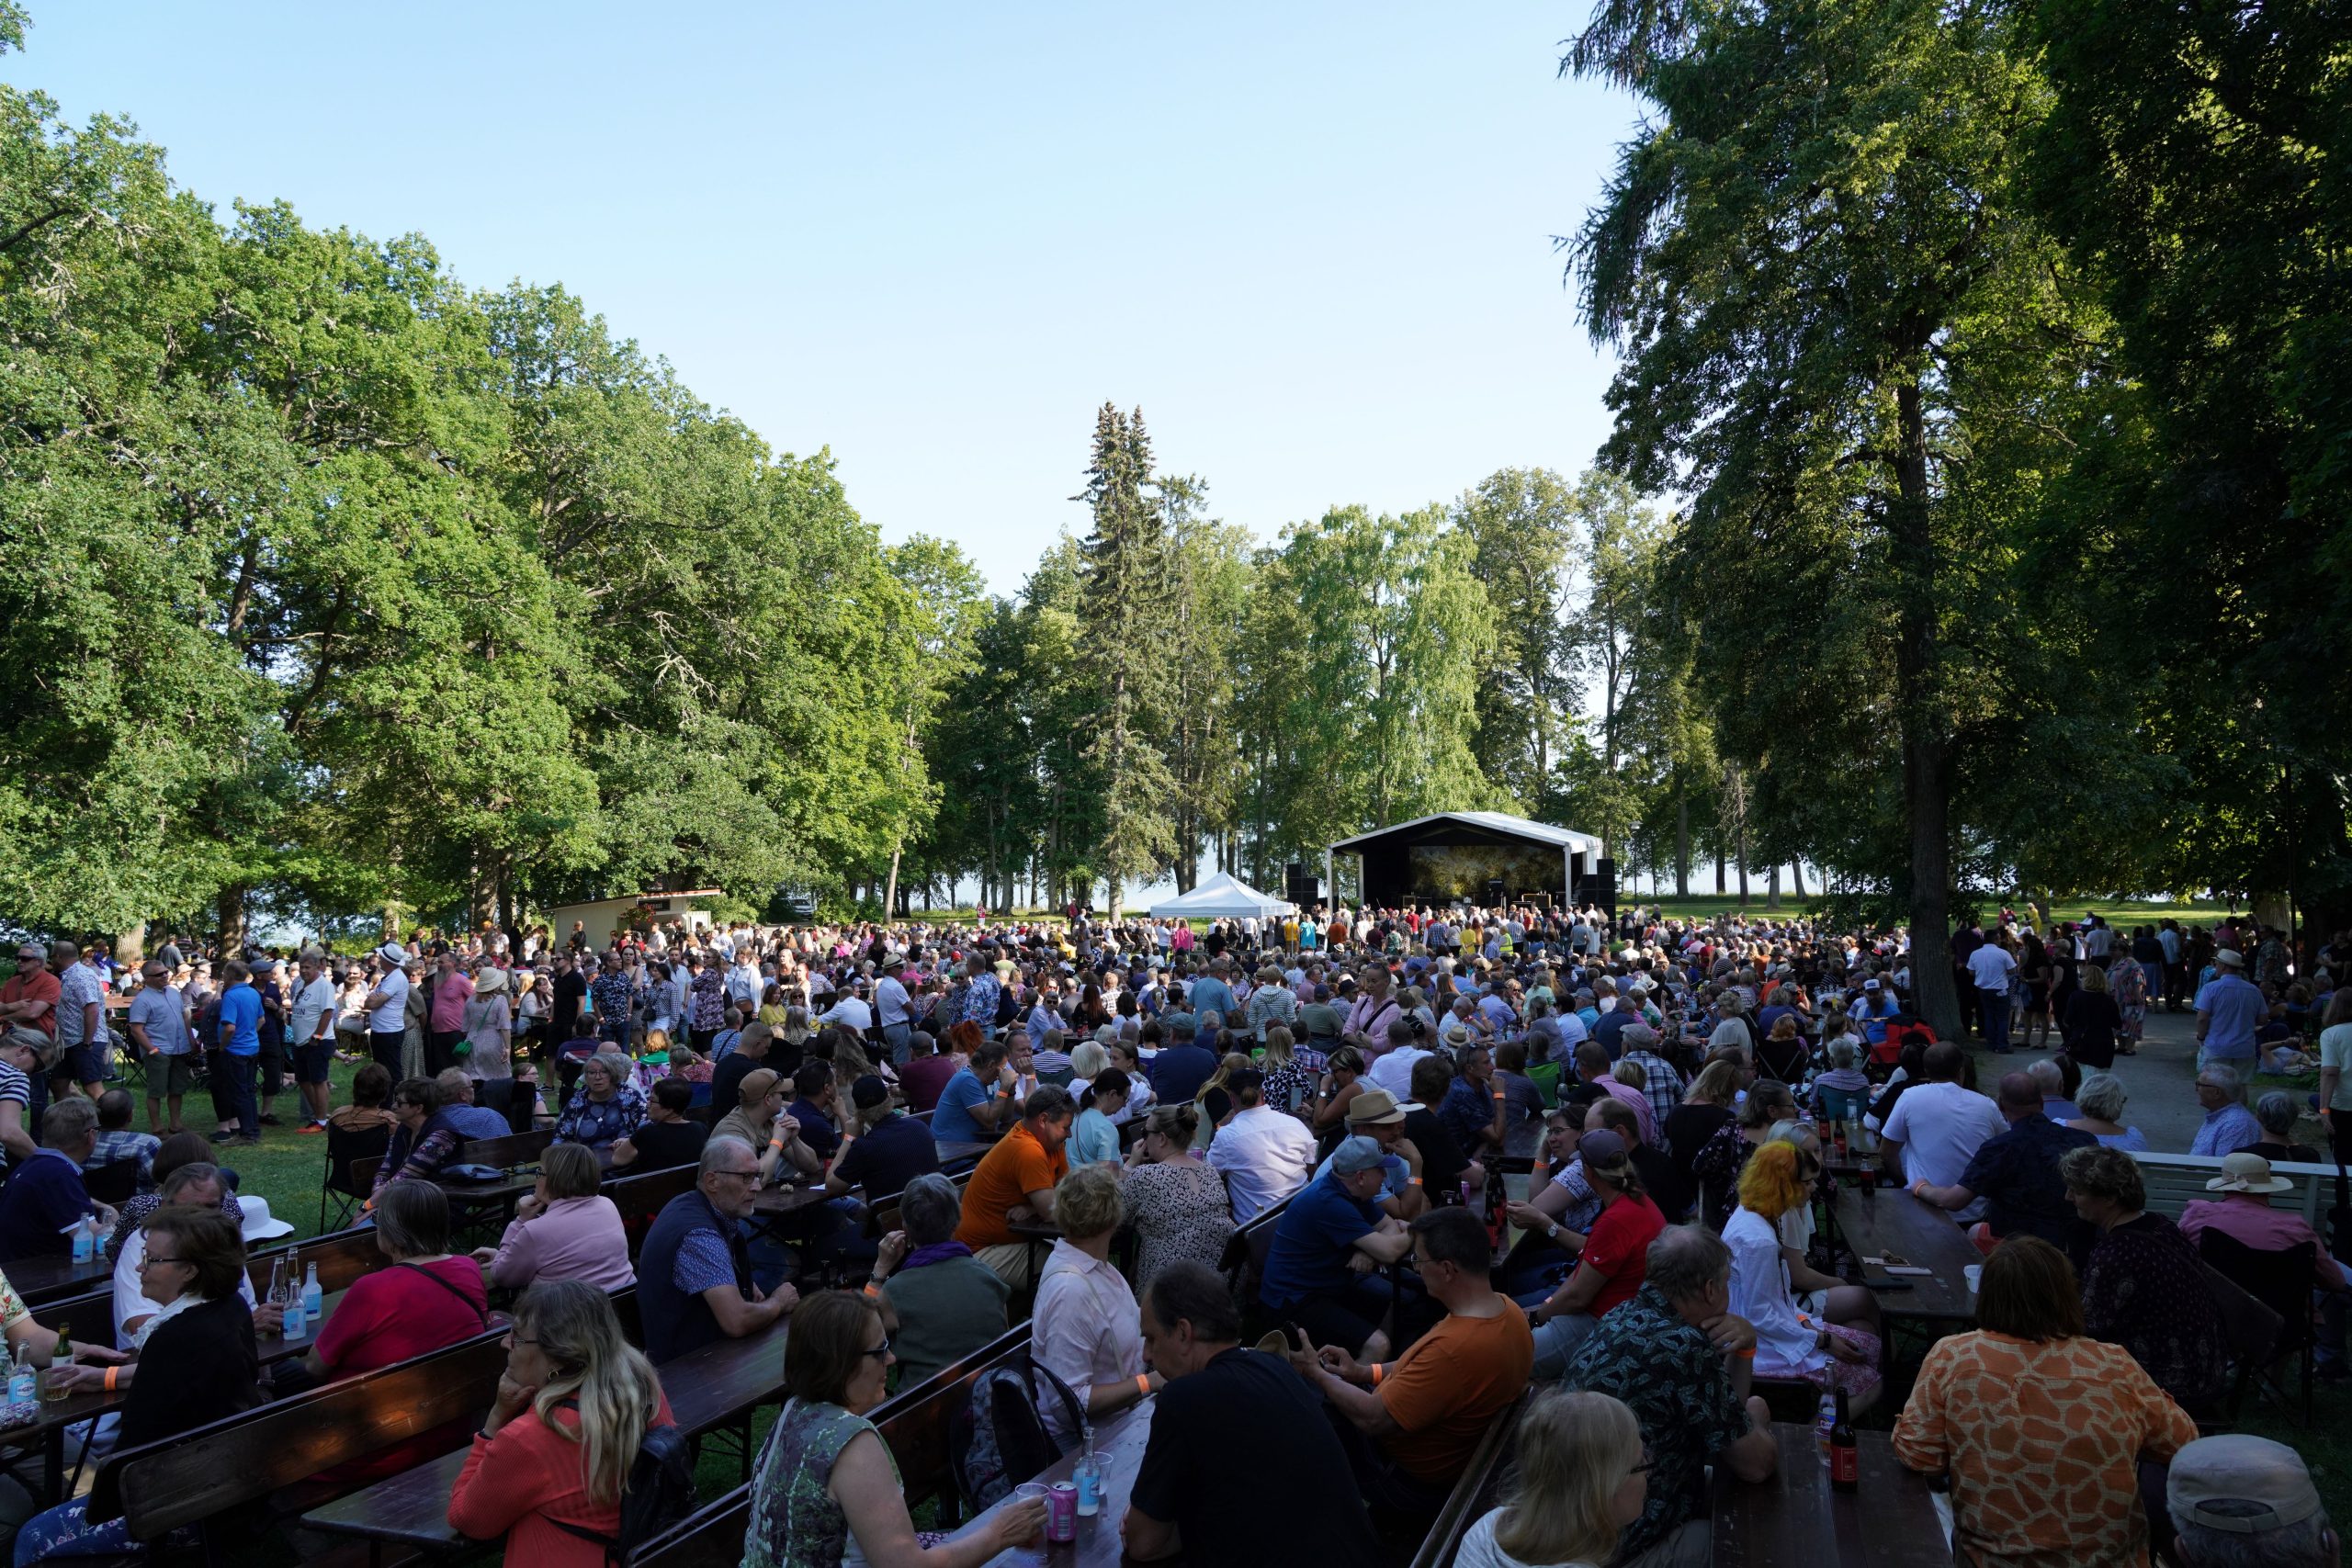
column 2247, row 1173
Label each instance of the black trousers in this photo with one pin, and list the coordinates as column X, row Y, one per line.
column 385, row 1047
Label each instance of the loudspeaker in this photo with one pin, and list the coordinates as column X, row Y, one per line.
column 1601, row 886
column 1493, row 892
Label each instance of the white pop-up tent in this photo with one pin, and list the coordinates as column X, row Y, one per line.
column 1220, row 898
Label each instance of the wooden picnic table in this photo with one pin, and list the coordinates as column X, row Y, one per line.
column 42, row 1279
column 780, row 1202
column 1120, row 1442
column 1522, row 1141
column 1796, row 1520
column 1873, row 1223
column 48, row 1431
column 957, row 1151
column 708, row 1388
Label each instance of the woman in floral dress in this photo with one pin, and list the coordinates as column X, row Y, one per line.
column 2127, row 982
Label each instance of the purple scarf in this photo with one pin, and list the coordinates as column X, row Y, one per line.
column 937, row 1252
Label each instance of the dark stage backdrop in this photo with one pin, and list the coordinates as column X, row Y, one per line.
column 1443, row 873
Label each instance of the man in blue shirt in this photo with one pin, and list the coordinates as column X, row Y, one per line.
column 2229, row 1009
column 2228, row 1125
column 978, row 1099
column 1181, row 1066
column 1210, row 994
column 44, row 1196
column 236, row 1052
column 1309, row 1280
column 813, row 1086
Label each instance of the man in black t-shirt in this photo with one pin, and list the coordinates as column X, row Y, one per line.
column 570, row 990
column 750, row 1055
column 667, row 1136
column 886, row 1156
column 1226, row 1412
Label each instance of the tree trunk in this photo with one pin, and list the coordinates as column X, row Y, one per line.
column 1681, row 841
column 131, row 946
column 229, row 913
column 1772, row 889
column 1719, row 870
column 890, row 889
column 1928, row 761
column 1796, row 871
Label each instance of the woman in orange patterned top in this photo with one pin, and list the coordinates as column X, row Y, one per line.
column 2041, row 1427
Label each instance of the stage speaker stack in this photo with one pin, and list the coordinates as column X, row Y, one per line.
column 1494, row 893
column 1601, row 887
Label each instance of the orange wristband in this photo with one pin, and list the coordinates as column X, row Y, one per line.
column 1143, row 1385
column 1746, row 1355
column 111, row 1373
column 1376, row 1374
column 1412, row 1181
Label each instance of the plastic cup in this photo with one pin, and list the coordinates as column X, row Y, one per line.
column 1975, row 1274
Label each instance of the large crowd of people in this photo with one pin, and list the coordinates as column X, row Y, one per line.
column 1345, row 1083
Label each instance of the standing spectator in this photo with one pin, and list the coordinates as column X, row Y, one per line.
column 388, row 1009
column 81, row 1020
column 157, row 1024
column 310, row 1030
column 2229, row 1009
column 269, row 1063
column 2040, row 1426
column 446, row 1023
column 236, row 1049
column 547, row 1468
column 1990, row 970
column 948, row 1303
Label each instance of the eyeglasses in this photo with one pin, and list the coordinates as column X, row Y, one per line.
column 879, row 1352
column 752, row 1175
column 151, row 1260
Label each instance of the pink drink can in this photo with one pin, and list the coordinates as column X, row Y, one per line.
column 1061, row 1512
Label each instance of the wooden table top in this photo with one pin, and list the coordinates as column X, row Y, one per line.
column 706, row 1388
column 38, row 1281
column 956, row 1151
column 1795, row 1520
column 1522, row 1141
column 775, row 1203
column 1120, row 1442
column 1876, row 1224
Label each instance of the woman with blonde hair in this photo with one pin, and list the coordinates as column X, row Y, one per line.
column 1808, row 1324
column 1217, row 1105
column 1580, row 1479
column 1286, row 1078
column 547, row 1467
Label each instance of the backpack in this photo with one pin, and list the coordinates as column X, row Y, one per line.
column 1000, row 1436
column 659, row 1492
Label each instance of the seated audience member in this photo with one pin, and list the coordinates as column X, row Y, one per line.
column 471, row 1121
column 2276, row 1111
column 2101, row 1100
column 194, row 1185
column 1015, row 1181
column 1937, row 1127
column 2243, row 1213
column 2016, row 1172
column 1592, row 1068
column 1094, row 1138
column 978, row 1097
column 816, row 1103
column 882, row 1149
column 1707, row 1106
column 2041, row 1427
column 693, row 1272
column 549, row 1465
column 1265, row 1155
column 1675, row 1356
column 1808, row 1324
column 1084, row 1327
column 2228, row 1127
column 2240, row 1501
column 2144, row 1286
column 1658, row 1176
column 1183, row 1066
column 177, row 1150
column 1373, row 1113
column 199, row 1364
column 2050, row 1078
column 1615, row 1258
column 755, row 1049
column 1446, row 1166
column 44, row 1195
column 1578, row 1478
column 565, row 1230
column 1474, row 1109
column 924, row 1076
column 1177, row 1204
column 117, row 1142
column 607, row 1106
column 1557, row 1212
column 1412, row 1423
column 426, row 1299
column 824, row 1476
column 372, row 1091
column 1313, row 1276
column 760, row 1119
column 1223, row 1411
column 947, row 1302
column 424, row 1138
column 1841, row 1092
column 668, row 1136
column 1715, row 1167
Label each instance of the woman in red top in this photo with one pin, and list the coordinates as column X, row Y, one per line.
column 424, row 1300
column 1615, row 1258
column 573, row 1405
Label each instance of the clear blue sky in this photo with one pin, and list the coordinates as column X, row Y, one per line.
column 1313, row 241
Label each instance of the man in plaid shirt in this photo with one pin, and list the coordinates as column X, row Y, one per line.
column 975, row 999
column 117, row 1142
column 1660, row 1082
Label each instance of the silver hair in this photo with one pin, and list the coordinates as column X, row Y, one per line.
column 2226, row 1079
column 1841, row 1052
column 2276, row 1111
column 930, row 1210
column 1686, row 1261
column 2047, row 1077
column 718, row 1149
column 2102, row 1096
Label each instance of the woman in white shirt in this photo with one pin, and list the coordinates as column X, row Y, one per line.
column 1829, row 1337
column 1582, row 1479
column 1087, row 1329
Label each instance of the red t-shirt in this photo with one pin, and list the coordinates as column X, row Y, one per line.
column 924, row 1078
column 40, row 986
column 393, row 1314
column 1619, row 1246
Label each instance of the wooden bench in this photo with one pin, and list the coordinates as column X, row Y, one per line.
column 1244, row 1259
column 915, row 1422
column 2174, row 1180
column 1476, row 1492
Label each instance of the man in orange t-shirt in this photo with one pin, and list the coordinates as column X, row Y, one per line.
column 1016, row 1181
column 1413, row 1422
